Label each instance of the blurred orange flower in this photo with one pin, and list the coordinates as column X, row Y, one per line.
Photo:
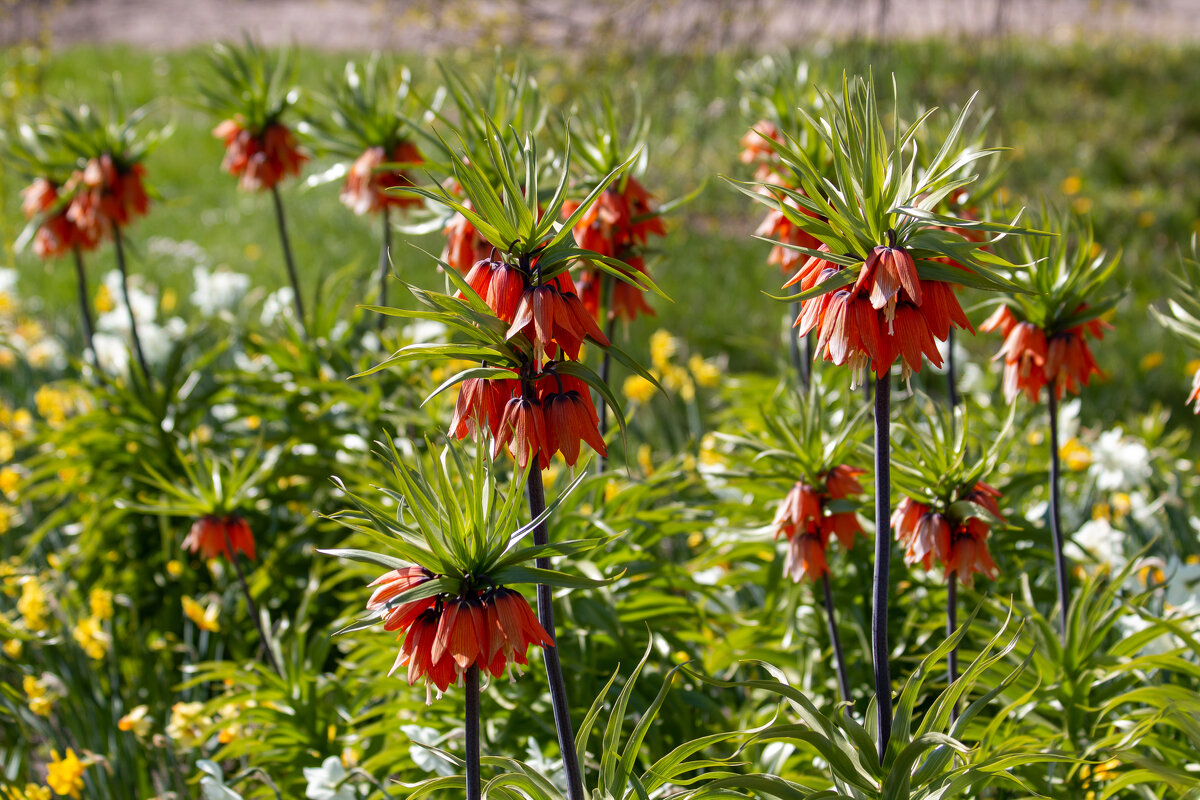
column 259, row 159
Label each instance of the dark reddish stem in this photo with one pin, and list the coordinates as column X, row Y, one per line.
column 385, row 261
column 119, row 246
column 85, row 309
column 880, row 653
column 471, row 686
column 297, row 296
column 1060, row 558
column 839, row 660
column 536, row 493
column 251, row 608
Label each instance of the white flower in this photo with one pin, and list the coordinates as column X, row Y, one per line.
column 216, row 291
column 144, row 305
column 8, row 281
column 1119, row 463
column 112, row 353
column 425, row 330
column 423, row 757
column 1099, row 540
column 159, row 340
column 323, row 781
column 47, row 353
column 213, row 783
column 278, row 303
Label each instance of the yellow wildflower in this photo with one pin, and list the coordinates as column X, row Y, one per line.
column 12, row 648
column 7, row 446
column 228, row 734
column 22, row 420
column 32, row 792
column 1121, row 504
column 8, row 358
column 52, row 404
column 104, row 300
column 169, row 300
column 706, row 373
column 1101, row 511
column 7, row 515
column 1072, row 184
column 65, row 776
column 92, row 638
column 643, row 459
column 9, row 479
column 205, row 619
column 40, row 699
column 638, row 389
column 174, row 568
column 187, row 723
column 1076, row 454
column 611, row 490
column 1151, row 360
column 252, row 252
column 252, row 422
column 136, row 721
column 663, row 346
column 101, row 603
column 32, row 605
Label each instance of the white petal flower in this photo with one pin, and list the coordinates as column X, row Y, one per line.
column 1119, row 462
column 323, row 781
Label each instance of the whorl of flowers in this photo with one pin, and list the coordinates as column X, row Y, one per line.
column 56, row 235
column 805, row 518
column 366, row 187
column 214, row 535
column 1033, row 358
column 107, row 193
column 259, row 159
column 444, row 634
column 947, row 536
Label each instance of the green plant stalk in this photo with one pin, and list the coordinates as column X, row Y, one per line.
column 85, row 310
column 471, row 687
column 281, row 223
column 951, row 379
column 384, row 261
column 119, row 248
column 1060, row 559
column 250, row 606
column 536, row 493
column 839, row 659
column 607, row 289
column 951, row 627
column 881, row 583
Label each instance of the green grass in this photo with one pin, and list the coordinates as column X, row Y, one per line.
column 1113, row 118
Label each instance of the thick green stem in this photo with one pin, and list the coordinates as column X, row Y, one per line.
column 883, row 539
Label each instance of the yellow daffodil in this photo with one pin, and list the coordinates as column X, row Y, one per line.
column 137, row 721
column 205, row 619
column 65, row 775
column 101, row 603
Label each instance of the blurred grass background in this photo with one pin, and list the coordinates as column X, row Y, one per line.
column 1111, row 129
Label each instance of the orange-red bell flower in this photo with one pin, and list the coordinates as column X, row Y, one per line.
column 481, row 402
column 105, row 194
column 211, row 536
column 958, row 544
column 259, row 159
column 365, row 189
column 571, row 419
column 1033, row 357
column 523, row 432
column 56, row 235
column 804, row 518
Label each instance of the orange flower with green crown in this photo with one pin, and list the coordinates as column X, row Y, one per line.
column 453, row 563
column 879, row 286
column 248, row 90
column 1047, row 328
column 948, row 509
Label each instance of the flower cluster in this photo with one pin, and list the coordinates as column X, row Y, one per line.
column 805, row 518
column 1034, row 357
column 212, row 536
column 958, row 542
column 259, row 159
column 366, row 187
column 104, row 194
column 445, row 635
column 617, row 225
column 556, row 419
column 887, row 312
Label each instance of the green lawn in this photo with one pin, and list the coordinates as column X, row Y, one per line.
column 1109, row 124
